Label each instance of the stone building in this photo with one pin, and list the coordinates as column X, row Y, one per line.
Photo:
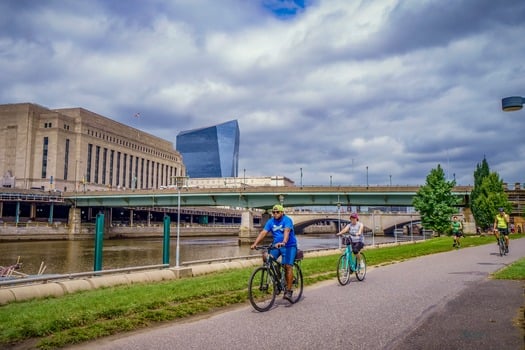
column 74, row 149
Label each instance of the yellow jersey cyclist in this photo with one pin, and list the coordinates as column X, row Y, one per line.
column 501, row 226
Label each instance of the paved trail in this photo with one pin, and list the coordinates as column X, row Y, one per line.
column 442, row 301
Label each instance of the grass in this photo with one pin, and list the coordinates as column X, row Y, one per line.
column 75, row 318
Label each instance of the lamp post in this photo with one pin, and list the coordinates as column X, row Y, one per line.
column 390, row 180
column 301, row 169
column 339, row 218
column 512, row 103
column 367, row 177
column 330, row 180
column 178, row 182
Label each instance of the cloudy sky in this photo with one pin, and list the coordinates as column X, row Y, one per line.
column 332, row 87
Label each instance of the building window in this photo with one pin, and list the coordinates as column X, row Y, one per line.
column 44, row 157
column 124, row 170
column 88, row 165
column 111, row 156
column 104, row 165
column 142, row 173
column 131, row 183
column 66, row 160
column 97, row 160
column 118, row 169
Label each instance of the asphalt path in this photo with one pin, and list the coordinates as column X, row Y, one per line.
column 440, row 301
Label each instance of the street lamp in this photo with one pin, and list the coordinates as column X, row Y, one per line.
column 367, row 177
column 339, row 218
column 301, row 177
column 512, row 103
column 390, row 180
column 179, row 182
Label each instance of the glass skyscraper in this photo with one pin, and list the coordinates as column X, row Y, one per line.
column 212, row 151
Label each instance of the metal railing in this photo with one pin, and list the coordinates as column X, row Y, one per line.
column 45, row 278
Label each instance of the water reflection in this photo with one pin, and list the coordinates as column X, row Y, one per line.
column 78, row 256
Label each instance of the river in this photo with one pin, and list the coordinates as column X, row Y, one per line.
column 63, row 257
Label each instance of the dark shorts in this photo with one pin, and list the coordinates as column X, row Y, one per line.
column 356, row 247
column 505, row 231
column 458, row 234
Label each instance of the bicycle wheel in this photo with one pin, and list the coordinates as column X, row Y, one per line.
column 501, row 246
column 262, row 289
column 297, row 283
column 360, row 270
column 343, row 270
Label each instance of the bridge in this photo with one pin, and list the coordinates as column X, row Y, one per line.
column 376, row 222
column 263, row 197
column 258, row 197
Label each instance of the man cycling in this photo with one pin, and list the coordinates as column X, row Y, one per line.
column 501, row 226
column 284, row 241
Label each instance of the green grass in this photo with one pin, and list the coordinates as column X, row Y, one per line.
column 74, row 318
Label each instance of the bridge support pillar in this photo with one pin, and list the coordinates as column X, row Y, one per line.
column 247, row 233
column 74, row 222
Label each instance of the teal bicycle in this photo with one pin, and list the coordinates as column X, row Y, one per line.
column 348, row 263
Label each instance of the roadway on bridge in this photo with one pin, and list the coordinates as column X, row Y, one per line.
column 396, row 305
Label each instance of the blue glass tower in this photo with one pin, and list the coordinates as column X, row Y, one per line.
column 212, row 151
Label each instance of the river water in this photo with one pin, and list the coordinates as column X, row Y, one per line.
column 63, row 257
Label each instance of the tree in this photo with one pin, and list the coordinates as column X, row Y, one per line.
column 435, row 202
column 482, row 171
column 490, row 197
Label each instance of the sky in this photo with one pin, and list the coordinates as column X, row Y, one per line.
column 325, row 91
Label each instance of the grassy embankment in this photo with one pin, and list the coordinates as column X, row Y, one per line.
column 84, row 316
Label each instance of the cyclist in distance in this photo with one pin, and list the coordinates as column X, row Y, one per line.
column 355, row 229
column 501, row 226
column 457, row 230
column 281, row 227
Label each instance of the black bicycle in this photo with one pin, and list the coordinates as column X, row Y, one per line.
column 502, row 245
column 268, row 281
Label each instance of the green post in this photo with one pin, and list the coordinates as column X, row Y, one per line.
column 17, row 214
column 99, row 239
column 166, row 242
column 51, row 207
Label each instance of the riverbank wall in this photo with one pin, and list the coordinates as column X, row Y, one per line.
column 60, row 286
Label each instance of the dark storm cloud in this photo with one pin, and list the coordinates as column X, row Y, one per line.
column 395, row 86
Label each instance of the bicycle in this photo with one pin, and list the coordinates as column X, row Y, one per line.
column 502, row 244
column 348, row 263
column 268, row 281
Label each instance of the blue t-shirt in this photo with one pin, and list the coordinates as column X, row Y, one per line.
column 276, row 227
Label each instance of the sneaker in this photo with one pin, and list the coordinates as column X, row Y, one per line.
column 506, row 250
column 453, row 245
column 288, row 296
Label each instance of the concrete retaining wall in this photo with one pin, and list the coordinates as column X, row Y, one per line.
column 62, row 287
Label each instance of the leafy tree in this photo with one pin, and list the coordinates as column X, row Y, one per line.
column 478, row 208
column 490, row 197
column 435, row 201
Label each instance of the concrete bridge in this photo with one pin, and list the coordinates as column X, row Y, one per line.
column 376, row 222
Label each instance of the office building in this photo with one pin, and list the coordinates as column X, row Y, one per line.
column 73, row 149
column 211, row 151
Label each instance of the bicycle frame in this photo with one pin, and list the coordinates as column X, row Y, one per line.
column 269, row 280
column 348, row 264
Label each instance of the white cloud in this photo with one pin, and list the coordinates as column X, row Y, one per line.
column 398, row 86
